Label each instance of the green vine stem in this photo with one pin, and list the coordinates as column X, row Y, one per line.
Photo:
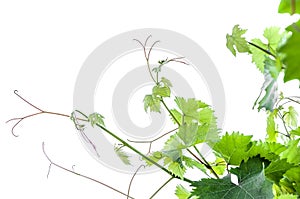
column 260, row 48
column 141, row 154
column 206, row 163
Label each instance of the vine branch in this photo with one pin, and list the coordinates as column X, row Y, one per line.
column 133, row 178
column 260, row 48
column 162, row 186
column 147, row 55
column 78, row 174
column 40, row 111
column 151, row 141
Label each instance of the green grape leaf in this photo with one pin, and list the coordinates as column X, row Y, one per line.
column 188, row 134
column 295, row 131
column 276, row 169
column 235, row 41
column 267, row 150
column 290, row 117
column 292, row 153
column 258, row 56
column 155, row 156
column 166, row 82
column 96, row 119
column 189, row 108
column 251, row 184
column 253, row 165
column 273, row 67
column 163, row 91
column 271, row 127
column 292, row 54
column 286, row 196
column 122, row 155
column 191, row 163
column 286, row 186
column 233, row 147
column 273, row 35
column 183, row 193
column 219, row 166
column 270, row 88
column 177, row 169
column 173, row 147
column 286, row 6
column 151, row 102
column 293, row 175
column 208, row 130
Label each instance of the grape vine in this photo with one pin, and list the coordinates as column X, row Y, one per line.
column 265, row 169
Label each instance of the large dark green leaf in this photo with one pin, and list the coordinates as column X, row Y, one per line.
column 252, row 184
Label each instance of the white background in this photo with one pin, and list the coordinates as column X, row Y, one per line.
column 42, row 47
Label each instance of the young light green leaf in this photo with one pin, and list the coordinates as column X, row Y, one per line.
column 177, row 169
column 122, row 155
column 258, row 56
column 166, row 82
column 162, row 91
column 208, row 131
column 219, row 166
column 292, row 153
column 233, row 147
column 96, row 119
column 295, row 131
column 152, row 102
column 290, row 117
column 286, row 6
column 191, row 163
column 273, row 35
column 173, row 147
column 292, row 54
column 235, row 41
column 188, row 134
column 183, row 193
column 189, row 108
column 252, row 184
column 271, row 127
column 155, row 156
